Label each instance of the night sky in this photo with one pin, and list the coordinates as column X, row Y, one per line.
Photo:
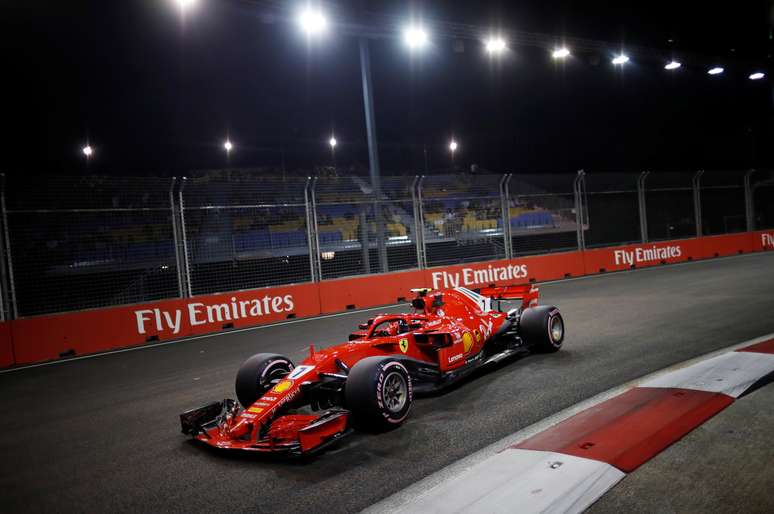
column 157, row 95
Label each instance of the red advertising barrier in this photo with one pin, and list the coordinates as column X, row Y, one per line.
column 6, row 346
column 722, row 246
column 367, row 291
column 620, row 258
column 763, row 240
column 63, row 335
column 44, row 338
column 517, row 270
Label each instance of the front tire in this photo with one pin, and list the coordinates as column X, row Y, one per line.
column 542, row 328
column 379, row 392
column 256, row 374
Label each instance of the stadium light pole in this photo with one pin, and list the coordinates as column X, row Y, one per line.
column 373, row 151
column 314, row 24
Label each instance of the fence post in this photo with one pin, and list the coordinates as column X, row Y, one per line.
column 311, row 230
column 176, row 239
column 506, row 214
column 315, row 227
column 642, row 206
column 417, row 222
column 697, row 201
column 421, row 247
column 749, row 201
column 578, row 193
column 186, row 257
column 14, row 311
column 3, row 277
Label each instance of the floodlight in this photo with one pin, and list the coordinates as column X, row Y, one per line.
column 495, row 45
column 620, row 59
column 185, row 4
column 415, row 37
column 561, row 53
column 312, row 22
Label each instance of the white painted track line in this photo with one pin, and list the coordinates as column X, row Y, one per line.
column 523, row 481
column 731, row 373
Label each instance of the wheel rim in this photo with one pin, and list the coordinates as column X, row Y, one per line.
column 394, row 392
column 557, row 329
column 278, row 371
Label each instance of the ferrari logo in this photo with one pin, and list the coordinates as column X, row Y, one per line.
column 403, row 343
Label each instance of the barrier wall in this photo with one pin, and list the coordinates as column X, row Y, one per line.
column 6, row 346
column 45, row 338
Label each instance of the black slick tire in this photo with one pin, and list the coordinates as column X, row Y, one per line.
column 542, row 328
column 256, row 373
column 379, row 393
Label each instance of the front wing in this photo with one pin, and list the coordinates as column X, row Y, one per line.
column 293, row 434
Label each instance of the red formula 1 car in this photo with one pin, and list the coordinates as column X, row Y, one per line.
column 372, row 379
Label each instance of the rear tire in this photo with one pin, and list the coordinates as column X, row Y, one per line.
column 256, row 373
column 379, row 392
column 542, row 328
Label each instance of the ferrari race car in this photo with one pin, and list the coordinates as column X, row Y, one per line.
column 371, row 380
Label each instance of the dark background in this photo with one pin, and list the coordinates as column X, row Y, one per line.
column 155, row 94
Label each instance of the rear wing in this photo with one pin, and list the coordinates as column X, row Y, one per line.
column 527, row 293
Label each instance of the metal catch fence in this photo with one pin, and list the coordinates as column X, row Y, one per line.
column 243, row 232
column 77, row 243
column 71, row 243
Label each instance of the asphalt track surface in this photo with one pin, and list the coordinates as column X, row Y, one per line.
column 102, row 434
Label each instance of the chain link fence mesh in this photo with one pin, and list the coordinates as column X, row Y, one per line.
column 73, row 243
column 462, row 218
column 245, row 232
column 612, row 208
column 762, row 186
column 722, row 202
column 670, row 206
column 541, row 213
column 360, row 233
column 84, row 242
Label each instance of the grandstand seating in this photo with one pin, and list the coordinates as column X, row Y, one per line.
column 253, row 240
column 532, row 219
